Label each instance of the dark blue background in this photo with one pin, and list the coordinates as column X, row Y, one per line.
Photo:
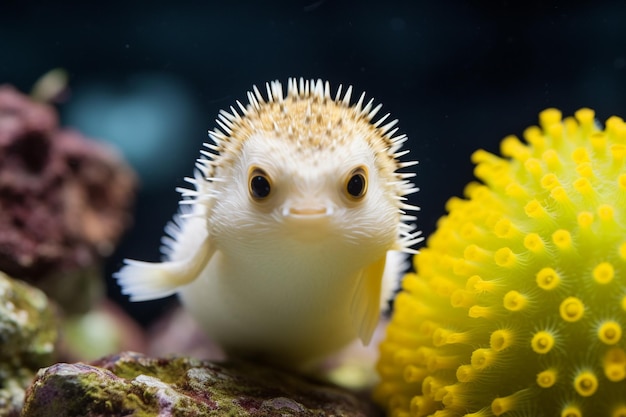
column 151, row 76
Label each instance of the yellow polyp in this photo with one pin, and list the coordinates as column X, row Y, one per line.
column 549, row 181
column 480, row 192
column 598, row 143
column 442, row 286
column 423, row 354
column 533, row 166
column 571, row 126
column 410, row 303
column 501, row 339
column 505, row 257
column 515, row 301
column 466, row 373
column 404, row 356
column 606, row 212
column 533, row 242
column 580, row 155
column 618, row 152
column 615, row 355
column 447, row 337
column 445, row 413
column 458, row 337
column 505, row 229
column 534, row 137
column 549, row 117
column 453, row 397
column 542, row 342
column 422, row 406
column 614, row 372
column 613, row 125
column 439, row 362
column 571, row 309
column 586, row 383
column 513, row 148
column 555, row 131
column 584, row 170
column 571, row 411
column 462, row 298
column 478, row 285
column 476, row 253
column 623, row 303
column 462, row 267
column 619, row 411
column 440, row 336
column 603, row 273
column 585, row 117
column 614, row 364
column 431, row 385
column 469, row 231
column 547, row 378
column 402, row 336
column 477, row 312
column 483, row 358
column 610, row 332
column 585, row 219
column 583, row 186
column 480, row 156
column 622, row 251
column 535, row 210
column 559, row 195
column 515, row 190
column 412, row 284
column 454, row 203
column 503, row 405
column 414, row 373
column 486, row 172
column 547, row 279
column 562, row 239
column 552, row 160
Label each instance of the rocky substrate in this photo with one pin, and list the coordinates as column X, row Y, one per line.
column 28, row 335
column 130, row 384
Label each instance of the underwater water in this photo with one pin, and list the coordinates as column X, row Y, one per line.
column 458, row 75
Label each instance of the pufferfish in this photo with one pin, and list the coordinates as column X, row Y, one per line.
column 296, row 211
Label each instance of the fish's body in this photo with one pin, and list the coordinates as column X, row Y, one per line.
column 280, row 247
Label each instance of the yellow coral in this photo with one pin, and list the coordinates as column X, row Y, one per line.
column 518, row 305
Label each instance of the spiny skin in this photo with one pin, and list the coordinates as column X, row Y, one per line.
column 281, row 250
column 518, row 306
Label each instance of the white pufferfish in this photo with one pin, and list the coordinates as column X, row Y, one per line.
column 296, row 210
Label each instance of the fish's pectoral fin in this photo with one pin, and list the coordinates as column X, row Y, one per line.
column 365, row 307
column 144, row 281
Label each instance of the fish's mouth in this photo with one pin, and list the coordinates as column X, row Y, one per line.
column 308, row 223
column 307, row 212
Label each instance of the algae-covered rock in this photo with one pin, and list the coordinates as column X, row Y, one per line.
column 130, row 384
column 28, row 334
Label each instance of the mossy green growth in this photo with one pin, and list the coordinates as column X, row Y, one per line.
column 130, row 384
column 28, row 334
column 518, row 305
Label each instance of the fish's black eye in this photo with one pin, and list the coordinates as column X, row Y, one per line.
column 356, row 184
column 259, row 185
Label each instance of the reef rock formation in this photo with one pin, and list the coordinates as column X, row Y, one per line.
column 28, row 334
column 64, row 202
column 130, row 384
